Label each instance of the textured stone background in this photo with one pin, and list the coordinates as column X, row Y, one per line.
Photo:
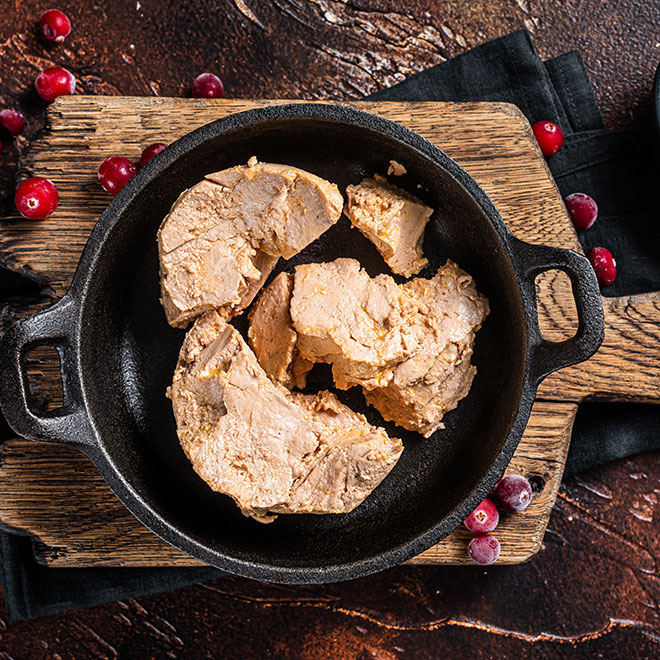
column 594, row 590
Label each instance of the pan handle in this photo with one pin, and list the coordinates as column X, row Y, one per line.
column 52, row 327
column 548, row 356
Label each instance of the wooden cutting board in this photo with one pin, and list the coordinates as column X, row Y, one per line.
column 54, row 494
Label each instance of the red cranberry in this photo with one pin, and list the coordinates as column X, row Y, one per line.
column 53, row 82
column 151, row 151
column 604, row 265
column 36, row 198
column 514, row 493
column 12, row 121
column 483, row 519
column 484, row 549
column 549, row 136
column 582, row 209
column 54, row 25
column 207, row 86
column 115, row 172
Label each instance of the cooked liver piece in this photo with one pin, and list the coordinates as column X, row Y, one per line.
column 271, row 450
column 409, row 346
column 347, row 319
column 272, row 337
column 224, row 235
column 396, row 168
column 444, row 314
column 393, row 220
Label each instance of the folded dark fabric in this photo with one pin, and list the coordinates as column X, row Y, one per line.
column 33, row 590
column 506, row 69
column 620, row 170
column 609, row 166
column 603, row 433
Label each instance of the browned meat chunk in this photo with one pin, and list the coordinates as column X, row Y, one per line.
column 396, row 168
column 392, row 219
column 444, row 315
column 408, row 346
column 271, row 450
column 272, row 337
column 345, row 318
column 224, row 235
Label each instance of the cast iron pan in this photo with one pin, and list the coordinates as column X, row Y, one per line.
column 118, row 353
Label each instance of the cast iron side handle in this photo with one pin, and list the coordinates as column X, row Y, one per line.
column 52, row 327
column 548, row 356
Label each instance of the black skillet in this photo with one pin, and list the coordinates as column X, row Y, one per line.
column 118, row 353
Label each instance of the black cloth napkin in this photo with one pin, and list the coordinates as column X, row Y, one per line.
column 616, row 168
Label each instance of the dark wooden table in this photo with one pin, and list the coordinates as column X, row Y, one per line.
column 594, row 590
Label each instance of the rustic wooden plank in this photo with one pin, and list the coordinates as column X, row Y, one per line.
column 85, row 130
column 540, row 456
column 627, row 365
column 55, row 494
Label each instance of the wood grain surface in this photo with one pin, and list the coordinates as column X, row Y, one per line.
column 626, row 366
column 83, row 131
column 100, row 126
column 592, row 591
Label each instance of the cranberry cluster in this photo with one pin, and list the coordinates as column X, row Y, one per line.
column 37, row 198
column 581, row 207
column 512, row 493
column 115, row 172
